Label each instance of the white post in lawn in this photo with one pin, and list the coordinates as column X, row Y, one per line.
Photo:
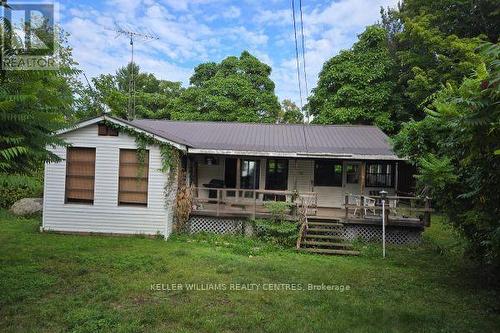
column 383, row 195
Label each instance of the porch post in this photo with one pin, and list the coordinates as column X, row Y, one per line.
column 362, row 170
column 396, row 176
column 238, row 178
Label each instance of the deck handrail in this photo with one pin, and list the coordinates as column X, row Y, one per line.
column 251, row 200
column 394, row 205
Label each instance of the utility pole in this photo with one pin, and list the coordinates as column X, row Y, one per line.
column 132, row 35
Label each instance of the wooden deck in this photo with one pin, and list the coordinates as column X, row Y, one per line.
column 400, row 211
column 321, row 214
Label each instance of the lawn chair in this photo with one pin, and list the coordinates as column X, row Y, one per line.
column 393, row 204
column 354, row 200
column 369, row 203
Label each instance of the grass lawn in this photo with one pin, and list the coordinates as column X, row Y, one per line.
column 51, row 283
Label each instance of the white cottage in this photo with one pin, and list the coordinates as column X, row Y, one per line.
column 101, row 186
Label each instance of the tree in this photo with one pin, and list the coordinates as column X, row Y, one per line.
column 456, row 150
column 153, row 97
column 429, row 59
column 237, row 89
column 357, row 86
column 462, row 18
column 33, row 105
column 290, row 113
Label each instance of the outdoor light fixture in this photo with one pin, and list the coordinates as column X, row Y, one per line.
column 210, row 160
column 383, row 196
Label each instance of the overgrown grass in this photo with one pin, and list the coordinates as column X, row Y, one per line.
column 51, row 283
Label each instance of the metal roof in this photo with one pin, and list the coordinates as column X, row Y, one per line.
column 273, row 138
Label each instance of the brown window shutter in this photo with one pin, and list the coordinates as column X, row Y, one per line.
column 80, row 175
column 133, row 178
column 102, row 129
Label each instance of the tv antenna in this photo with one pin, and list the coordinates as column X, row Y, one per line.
column 132, row 36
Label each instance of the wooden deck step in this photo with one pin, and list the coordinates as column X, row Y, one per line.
column 329, row 251
column 329, row 224
column 323, row 237
column 322, row 230
column 329, row 244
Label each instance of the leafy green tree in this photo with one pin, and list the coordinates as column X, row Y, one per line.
column 153, row 97
column 428, row 59
column 33, row 105
column 357, row 86
column 290, row 113
column 455, row 146
column 237, row 89
column 462, row 18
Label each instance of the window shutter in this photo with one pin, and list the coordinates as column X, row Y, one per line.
column 133, row 178
column 80, row 175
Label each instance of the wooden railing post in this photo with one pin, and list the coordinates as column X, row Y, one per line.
column 427, row 213
column 218, row 202
column 254, row 204
column 362, row 203
column 346, row 202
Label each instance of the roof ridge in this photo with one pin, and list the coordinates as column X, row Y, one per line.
column 254, row 124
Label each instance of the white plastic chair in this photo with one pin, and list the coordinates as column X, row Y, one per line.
column 370, row 202
column 355, row 200
column 393, row 204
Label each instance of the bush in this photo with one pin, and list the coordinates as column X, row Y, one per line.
column 15, row 187
column 283, row 233
column 278, row 209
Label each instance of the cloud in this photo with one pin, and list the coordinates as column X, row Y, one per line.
column 232, row 12
column 328, row 29
column 195, row 31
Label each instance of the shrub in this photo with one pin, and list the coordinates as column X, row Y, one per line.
column 283, row 233
column 278, row 209
column 15, row 187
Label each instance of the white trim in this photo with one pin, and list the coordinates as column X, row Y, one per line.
column 121, row 123
column 293, row 155
column 80, row 125
column 44, row 202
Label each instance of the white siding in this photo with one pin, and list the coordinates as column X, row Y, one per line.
column 105, row 215
column 300, row 175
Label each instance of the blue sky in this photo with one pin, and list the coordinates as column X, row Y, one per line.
column 195, row 31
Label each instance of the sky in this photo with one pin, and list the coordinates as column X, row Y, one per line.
column 191, row 32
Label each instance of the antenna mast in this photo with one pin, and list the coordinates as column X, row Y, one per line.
column 132, row 35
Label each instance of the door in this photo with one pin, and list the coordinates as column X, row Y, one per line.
column 230, row 175
column 352, row 177
column 276, row 178
column 249, row 177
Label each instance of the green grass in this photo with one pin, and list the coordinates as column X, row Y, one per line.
column 51, row 283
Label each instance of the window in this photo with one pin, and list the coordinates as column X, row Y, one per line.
column 328, row 173
column 80, row 175
column 250, row 174
column 133, row 178
column 104, row 130
column 379, row 174
column 352, row 173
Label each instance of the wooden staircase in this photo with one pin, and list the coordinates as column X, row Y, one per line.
column 323, row 237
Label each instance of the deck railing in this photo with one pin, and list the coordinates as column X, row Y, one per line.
column 249, row 202
column 398, row 208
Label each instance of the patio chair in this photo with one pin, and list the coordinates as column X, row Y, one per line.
column 355, row 200
column 369, row 202
column 393, row 204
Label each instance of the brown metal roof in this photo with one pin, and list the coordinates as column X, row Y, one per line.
column 272, row 138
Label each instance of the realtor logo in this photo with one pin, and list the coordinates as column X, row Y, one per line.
column 28, row 36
